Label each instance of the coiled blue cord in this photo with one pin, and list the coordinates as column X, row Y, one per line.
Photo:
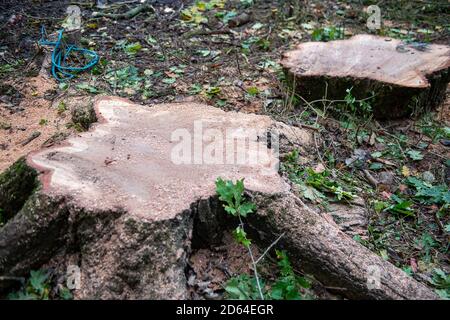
column 60, row 56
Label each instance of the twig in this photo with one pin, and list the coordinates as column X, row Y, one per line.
column 200, row 32
column 370, row 178
column 270, row 247
column 254, row 264
column 33, row 136
column 126, row 15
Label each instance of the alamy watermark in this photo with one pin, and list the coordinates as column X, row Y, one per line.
column 373, row 275
column 209, row 144
column 374, row 20
column 73, row 277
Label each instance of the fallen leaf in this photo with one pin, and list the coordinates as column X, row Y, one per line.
column 405, row 171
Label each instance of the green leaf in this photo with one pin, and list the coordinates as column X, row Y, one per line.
column 241, row 236
column 204, row 53
column 376, row 166
column 447, row 227
column 132, row 48
column 243, row 287
column 86, row 87
column 195, row 89
column 169, row 80
column 246, row 208
column 253, row 91
column 415, row 155
column 65, row 294
column 37, row 280
column 401, row 206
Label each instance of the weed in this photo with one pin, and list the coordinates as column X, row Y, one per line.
column 328, row 33
column 61, row 107
column 288, row 286
column 400, row 206
column 38, row 287
column 232, row 195
column 212, row 92
column 315, row 186
column 441, row 281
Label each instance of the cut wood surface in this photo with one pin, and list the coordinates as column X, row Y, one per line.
column 113, row 200
column 404, row 77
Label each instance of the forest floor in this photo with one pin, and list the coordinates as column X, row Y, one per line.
column 214, row 53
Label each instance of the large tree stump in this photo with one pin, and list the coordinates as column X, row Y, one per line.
column 122, row 201
column 405, row 78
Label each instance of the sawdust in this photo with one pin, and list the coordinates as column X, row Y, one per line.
column 38, row 114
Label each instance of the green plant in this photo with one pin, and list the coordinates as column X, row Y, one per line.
column 400, row 206
column 232, row 194
column 429, row 194
column 252, row 91
column 212, row 92
column 328, row 33
column 415, row 155
column 195, row 89
column 441, row 281
column 426, row 243
column 36, row 288
column 124, row 78
column 358, row 107
column 242, row 287
column 288, row 285
column 314, row 185
column 132, row 48
column 61, row 107
column 246, row 3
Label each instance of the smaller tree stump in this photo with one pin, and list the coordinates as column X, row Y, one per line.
column 405, row 78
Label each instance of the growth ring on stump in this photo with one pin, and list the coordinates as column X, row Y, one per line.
column 405, row 78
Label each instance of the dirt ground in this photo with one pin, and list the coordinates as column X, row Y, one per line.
column 175, row 53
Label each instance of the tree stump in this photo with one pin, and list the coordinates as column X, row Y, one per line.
column 405, row 78
column 124, row 201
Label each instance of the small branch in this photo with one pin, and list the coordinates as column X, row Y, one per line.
column 254, row 264
column 33, row 136
column 270, row 247
column 194, row 33
column 126, row 15
column 374, row 182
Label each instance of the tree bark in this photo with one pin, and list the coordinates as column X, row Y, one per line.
column 404, row 78
column 128, row 216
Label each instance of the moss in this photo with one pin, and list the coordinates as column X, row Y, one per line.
column 17, row 183
column 83, row 116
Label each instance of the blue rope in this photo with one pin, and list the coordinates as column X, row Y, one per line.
column 60, row 57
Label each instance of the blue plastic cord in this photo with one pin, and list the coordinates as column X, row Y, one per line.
column 59, row 57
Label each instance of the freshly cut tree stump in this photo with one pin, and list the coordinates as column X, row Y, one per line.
column 125, row 201
column 405, row 78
